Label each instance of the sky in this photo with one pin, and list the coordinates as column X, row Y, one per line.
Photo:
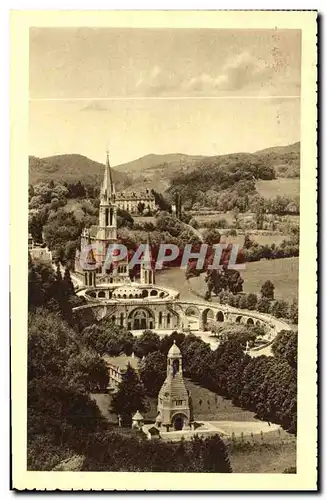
column 142, row 91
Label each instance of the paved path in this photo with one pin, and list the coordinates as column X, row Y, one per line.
column 225, row 428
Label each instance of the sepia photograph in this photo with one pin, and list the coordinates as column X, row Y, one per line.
column 163, row 249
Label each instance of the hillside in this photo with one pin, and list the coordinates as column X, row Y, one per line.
column 157, row 171
column 286, row 159
column 70, row 168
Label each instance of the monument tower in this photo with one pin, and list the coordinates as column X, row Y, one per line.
column 173, row 400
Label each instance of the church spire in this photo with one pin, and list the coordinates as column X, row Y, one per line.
column 108, row 187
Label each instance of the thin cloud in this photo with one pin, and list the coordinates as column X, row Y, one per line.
column 241, row 72
column 236, row 74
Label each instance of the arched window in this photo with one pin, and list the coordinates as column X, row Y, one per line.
column 121, row 319
column 220, row 316
column 168, row 319
column 160, row 318
column 153, row 293
column 101, row 295
column 145, row 293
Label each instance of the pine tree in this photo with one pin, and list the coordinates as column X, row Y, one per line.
column 130, row 396
column 67, row 281
column 267, row 290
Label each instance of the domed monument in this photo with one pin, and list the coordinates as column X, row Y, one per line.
column 174, row 399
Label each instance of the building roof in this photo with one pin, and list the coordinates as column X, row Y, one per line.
column 122, row 361
column 174, row 388
column 153, row 430
column 138, row 416
column 174, row 350
column 90, row 259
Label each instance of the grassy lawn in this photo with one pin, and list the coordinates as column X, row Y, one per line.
column 261, row 238
column 141, row 219
column 284, row 273
column 206, row 406
column 263, row 458
column 281, row 186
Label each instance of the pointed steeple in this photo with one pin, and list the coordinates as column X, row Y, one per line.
column 147, row 274
column 108, row 187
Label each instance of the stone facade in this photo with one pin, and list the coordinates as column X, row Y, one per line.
column 117, row 366
column 132, row 202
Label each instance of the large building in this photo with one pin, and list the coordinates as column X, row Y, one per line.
column 117, row 366
column 136, row 203
column 136, row 305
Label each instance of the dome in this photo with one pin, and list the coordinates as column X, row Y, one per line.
column 174, row 350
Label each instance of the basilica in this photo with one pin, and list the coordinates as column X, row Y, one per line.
column 136, row 305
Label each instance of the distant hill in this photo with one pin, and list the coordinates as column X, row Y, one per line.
column 157, row 171
column 70, row 168
column 285, row 159
column 281, row 150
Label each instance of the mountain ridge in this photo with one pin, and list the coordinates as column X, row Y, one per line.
column 153, row 170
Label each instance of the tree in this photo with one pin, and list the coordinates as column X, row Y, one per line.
column 61, row 416
column 161, row 202
column 267, row 290
column 68, row 284
column 107, row 338
column 130, row 396
column 243, row 302
column 280, row 309
column 146, row 343
column 141, row 207
column 211, row 236
column 248, row 243
column 251, row 301
column 285, row 346
column 35, row 226
column 293, row 312
column 153, row 372
column 124, row 219
column 264, row 305
column 234, row 281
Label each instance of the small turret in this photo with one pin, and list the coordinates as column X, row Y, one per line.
column 147, row 271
